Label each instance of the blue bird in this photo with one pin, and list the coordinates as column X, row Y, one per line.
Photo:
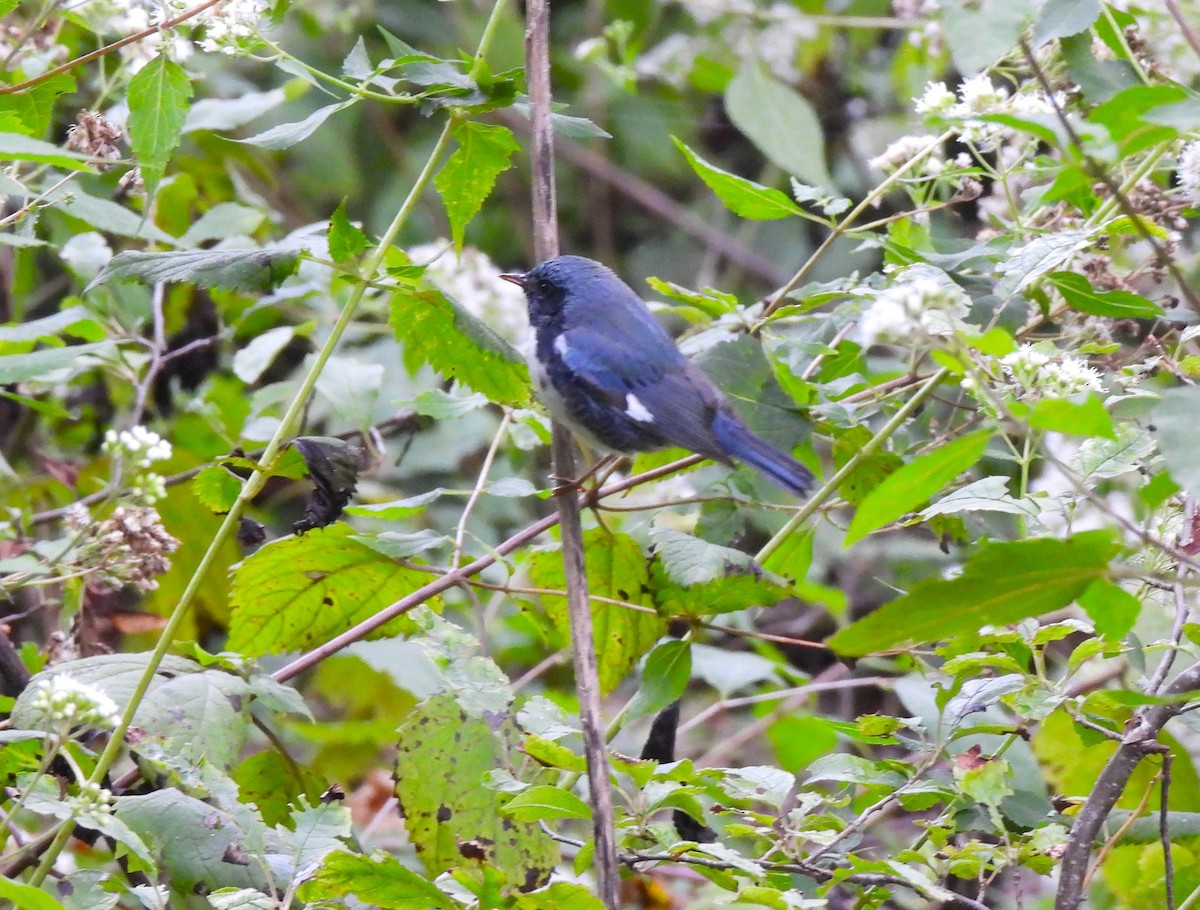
column 610, row 372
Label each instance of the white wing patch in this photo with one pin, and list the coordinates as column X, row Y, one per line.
column 560, row 345
column 637, row 410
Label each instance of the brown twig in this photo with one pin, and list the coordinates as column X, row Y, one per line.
column 1140, row 739
column 579, row 611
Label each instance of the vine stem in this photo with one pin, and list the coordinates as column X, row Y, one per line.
column 255, row 482
column 818, row 498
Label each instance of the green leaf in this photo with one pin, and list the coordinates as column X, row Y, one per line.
column 484, row 153
column 169, row 819
column 296, row 593
column 1063, row 18
column 33, row 108
column 981, row 32
column 1097, row 79
column 38, row 364
column 1026, row 264
column 558, row 895
column 286, row 135
column 1123, row 115
column 666, row 674
column 346, row 240
column 1003, row 584
column 1111, row 608
column 780, row 122
column 1080, row 295
column 217, row 488
column 27, row 897
column 1178, row 433
column 1083, row 418
column 741, row 196
column 378, row 880
column 183, row 702
column 545, row 803
column 437, row 332
column 253, row 359
column 16, row 147
column 443, row 757
column 235, row 270
column 616, row 568
column 158, row 101
column 913, row 484
column 693, row 577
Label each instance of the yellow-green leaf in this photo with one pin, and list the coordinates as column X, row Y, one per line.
column 299, row 592
column 466, row 180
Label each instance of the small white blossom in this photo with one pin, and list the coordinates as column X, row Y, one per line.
column 143, row 447
column 904, row 150
column 64, row 703
column 936, row 99
column 979, row 96
column 1189, row 171
column 1031, row 374
column 86, row 254
column 922, row 302
column 91, row 804
column 231, row 27
column 147, row 489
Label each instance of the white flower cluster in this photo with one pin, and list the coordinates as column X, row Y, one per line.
column 91, row 804
column 141, row 446
column 473, row 281
column 64, row 703
column 1031, row 374
column 977, row 96
column 922, row 303
column 904, row 150
column 1189, row 171
column 232, row 27
column 229, row 28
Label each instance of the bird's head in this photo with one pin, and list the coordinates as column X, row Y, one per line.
column 550, row 284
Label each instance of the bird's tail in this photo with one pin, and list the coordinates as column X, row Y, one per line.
column 740, row 442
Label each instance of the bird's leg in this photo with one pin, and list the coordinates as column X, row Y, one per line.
column 607, row 464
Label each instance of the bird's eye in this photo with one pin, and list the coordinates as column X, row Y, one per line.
column 544, row 286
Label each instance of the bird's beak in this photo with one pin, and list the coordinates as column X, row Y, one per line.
column 517, row 278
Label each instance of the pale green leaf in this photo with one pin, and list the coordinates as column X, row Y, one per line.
column 1177, row 429
column 286, row 135
column 378, row 880
column 1062, row 18
column 780, row 122
column 26, row 897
